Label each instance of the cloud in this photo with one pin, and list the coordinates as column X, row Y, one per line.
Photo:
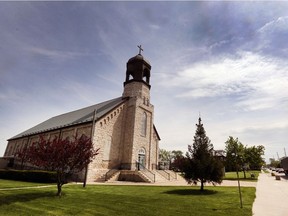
column 255, row 82
column 275, row 26
column 154, row 26
column 54, row 54
column 272, row 37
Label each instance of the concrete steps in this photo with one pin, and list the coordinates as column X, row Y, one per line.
column 151, row 176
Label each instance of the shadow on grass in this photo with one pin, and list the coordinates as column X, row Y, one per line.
column 191, row 192
column 23, row 197
column 242, row 179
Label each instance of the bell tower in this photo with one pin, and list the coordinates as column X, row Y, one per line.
column 138, row 68
column 138, row 135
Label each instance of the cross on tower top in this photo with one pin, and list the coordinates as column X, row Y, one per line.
column 140, row 49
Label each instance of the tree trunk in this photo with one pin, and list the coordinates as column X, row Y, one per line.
column 59, row 189
column 202, row 185
column 59, row 184
column 244, row 173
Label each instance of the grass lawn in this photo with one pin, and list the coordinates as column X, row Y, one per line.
column 127, row 200
column 233, row 175
column 18, row 184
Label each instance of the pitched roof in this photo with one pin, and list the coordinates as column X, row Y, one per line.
column 73, row 118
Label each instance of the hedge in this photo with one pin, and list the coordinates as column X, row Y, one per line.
column 29, row 175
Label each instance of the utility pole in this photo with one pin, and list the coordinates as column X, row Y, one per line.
column 278, row 156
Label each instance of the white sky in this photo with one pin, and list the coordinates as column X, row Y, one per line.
column 226, row 60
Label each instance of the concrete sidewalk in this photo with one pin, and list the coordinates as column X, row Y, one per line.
column 271, row 196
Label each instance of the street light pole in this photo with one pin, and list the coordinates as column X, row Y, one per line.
column 241, row 205
column 239, row 187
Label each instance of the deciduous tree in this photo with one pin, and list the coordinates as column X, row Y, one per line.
column 176, row 158
column 243, row 156
column 235, row 155
column 64, row 156
column 253, row 156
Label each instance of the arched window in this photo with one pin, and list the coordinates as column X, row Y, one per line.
column 142, row 151
column 144, row 124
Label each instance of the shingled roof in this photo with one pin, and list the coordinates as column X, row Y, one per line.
column 73, row 118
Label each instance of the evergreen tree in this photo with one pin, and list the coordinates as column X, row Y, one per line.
column 201, row 165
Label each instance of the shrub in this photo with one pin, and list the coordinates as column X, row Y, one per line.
column 29, row 175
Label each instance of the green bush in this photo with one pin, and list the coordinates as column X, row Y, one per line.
column 29, row 175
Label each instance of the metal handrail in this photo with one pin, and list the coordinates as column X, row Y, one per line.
column 110, row 173
column 175, row 174
column 166, row 175
column 150, row 175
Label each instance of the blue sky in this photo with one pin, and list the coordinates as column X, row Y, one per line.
column 226, row 60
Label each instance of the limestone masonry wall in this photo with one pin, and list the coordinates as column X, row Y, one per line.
column 107, row 136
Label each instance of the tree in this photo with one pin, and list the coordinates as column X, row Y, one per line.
column 242, row 156
column 176, row 157
column 63, row 156
column 253, row 156
column 235, row 155
column 200, row 163
column 164, row 155
column 274, row 163
column 168, row 157
column 177, row 153
column 165, row 158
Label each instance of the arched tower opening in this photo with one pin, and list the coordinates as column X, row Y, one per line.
column 138, row 70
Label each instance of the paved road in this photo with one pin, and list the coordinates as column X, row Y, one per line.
column 271, row 196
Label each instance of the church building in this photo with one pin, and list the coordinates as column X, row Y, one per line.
column 123, row 128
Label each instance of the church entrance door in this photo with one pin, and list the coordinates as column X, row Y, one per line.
column 141, row 159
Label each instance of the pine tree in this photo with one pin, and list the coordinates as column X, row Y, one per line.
column 201, row 164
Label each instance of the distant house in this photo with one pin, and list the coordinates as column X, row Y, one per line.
column 221, row 154
column 123, row 128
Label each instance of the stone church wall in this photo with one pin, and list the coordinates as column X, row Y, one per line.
column 136, row 137
column 16, row 145
column 143, row 141
column 107, row 136
column 128, row 126
column 154, row 150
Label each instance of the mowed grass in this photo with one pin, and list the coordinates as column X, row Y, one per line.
column 127, row 200
column 18, row 184
column 233, row 175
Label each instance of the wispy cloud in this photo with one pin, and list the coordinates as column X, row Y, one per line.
column 255, row 82
column 272, row 38
column 55, row 54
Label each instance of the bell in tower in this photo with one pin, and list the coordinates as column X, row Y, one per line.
column 138, row 69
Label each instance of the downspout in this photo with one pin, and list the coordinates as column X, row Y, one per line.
column 92, row 135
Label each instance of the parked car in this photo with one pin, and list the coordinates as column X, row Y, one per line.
column 280, row 170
